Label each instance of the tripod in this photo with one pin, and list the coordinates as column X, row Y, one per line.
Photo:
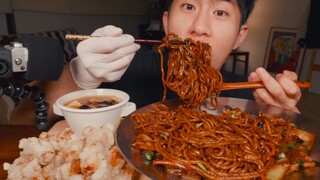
column 19, row 92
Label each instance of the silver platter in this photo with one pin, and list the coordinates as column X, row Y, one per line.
column 126, row 133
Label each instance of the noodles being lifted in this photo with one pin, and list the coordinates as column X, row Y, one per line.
column 190, row 142
column 190, row 73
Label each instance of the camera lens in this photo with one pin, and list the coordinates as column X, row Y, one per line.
column 4, row 69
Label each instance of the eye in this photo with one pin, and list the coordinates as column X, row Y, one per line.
column 188, row 6
column 220, row 13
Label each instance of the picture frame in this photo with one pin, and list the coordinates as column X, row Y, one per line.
column 283, row 51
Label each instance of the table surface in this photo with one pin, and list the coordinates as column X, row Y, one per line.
column 9, row 143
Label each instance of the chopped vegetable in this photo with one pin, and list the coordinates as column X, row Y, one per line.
column 163, row 136
column 281, row 155
column 277, row 172
column 201, row 166
column 300, row 162
column 289, row 146
column 149, row 155
column 199, row 125
column 228, row 107
column 308, row 138
column 300, row 141
column 260, row 124
column 317, row 163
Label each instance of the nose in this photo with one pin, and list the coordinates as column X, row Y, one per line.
column 201, row 24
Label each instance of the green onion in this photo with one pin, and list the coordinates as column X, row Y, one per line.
column 149, row 155
column 201, row 166
column 163, row 136
column 300, row 141
column 260, row 124
column 317, row 163
column 300, row 162
column 289, row 146
column 213, row 95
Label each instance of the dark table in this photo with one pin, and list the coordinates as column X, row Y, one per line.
column 9, row 143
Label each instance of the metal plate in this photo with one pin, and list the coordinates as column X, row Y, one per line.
column 126, row 133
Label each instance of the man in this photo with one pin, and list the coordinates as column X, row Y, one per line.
column 113, row 57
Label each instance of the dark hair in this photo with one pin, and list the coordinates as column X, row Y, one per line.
column 245, row 6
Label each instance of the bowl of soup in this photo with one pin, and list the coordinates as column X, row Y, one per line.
column 93, row 107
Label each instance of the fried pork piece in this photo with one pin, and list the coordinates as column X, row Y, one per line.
column 43, row 151
column 65, row 156
column 96, row 155
column 68, row 145
column 34, row 154
column 121, row 169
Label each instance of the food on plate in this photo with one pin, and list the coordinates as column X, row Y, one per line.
column 190, row 73
column 194, row 144
column 65, row 156
column 93, row 102
column 189, row 142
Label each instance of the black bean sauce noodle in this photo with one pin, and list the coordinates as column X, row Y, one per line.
column 190, row 73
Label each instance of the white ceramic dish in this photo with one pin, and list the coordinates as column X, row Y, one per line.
column 78, row 119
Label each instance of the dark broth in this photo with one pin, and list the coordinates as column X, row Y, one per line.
column 93, row 102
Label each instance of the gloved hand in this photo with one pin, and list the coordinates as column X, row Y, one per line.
column 104, row 58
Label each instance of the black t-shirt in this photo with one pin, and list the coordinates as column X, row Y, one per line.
column 142, row 80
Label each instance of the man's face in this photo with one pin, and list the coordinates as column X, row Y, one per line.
column 216, row 22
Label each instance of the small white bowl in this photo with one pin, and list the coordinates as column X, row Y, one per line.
column 78, row 119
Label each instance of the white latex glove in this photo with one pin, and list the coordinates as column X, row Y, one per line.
column 104, row 58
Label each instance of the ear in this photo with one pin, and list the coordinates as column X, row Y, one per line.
column 241, row 36
column 165, row 17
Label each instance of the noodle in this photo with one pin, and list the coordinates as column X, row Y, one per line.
column 190, row 73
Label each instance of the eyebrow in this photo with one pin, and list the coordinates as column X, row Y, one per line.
column 230, row 1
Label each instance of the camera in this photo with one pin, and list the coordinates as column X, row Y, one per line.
column 13, row 59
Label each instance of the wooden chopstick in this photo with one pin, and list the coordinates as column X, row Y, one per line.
column 148, row 41
column 80, row 37
column 257, row 84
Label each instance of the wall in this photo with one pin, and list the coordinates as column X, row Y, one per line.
column 27, row 22
column 84, row 15
column 5, row 7
column 3, row 24
column 315, row 79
